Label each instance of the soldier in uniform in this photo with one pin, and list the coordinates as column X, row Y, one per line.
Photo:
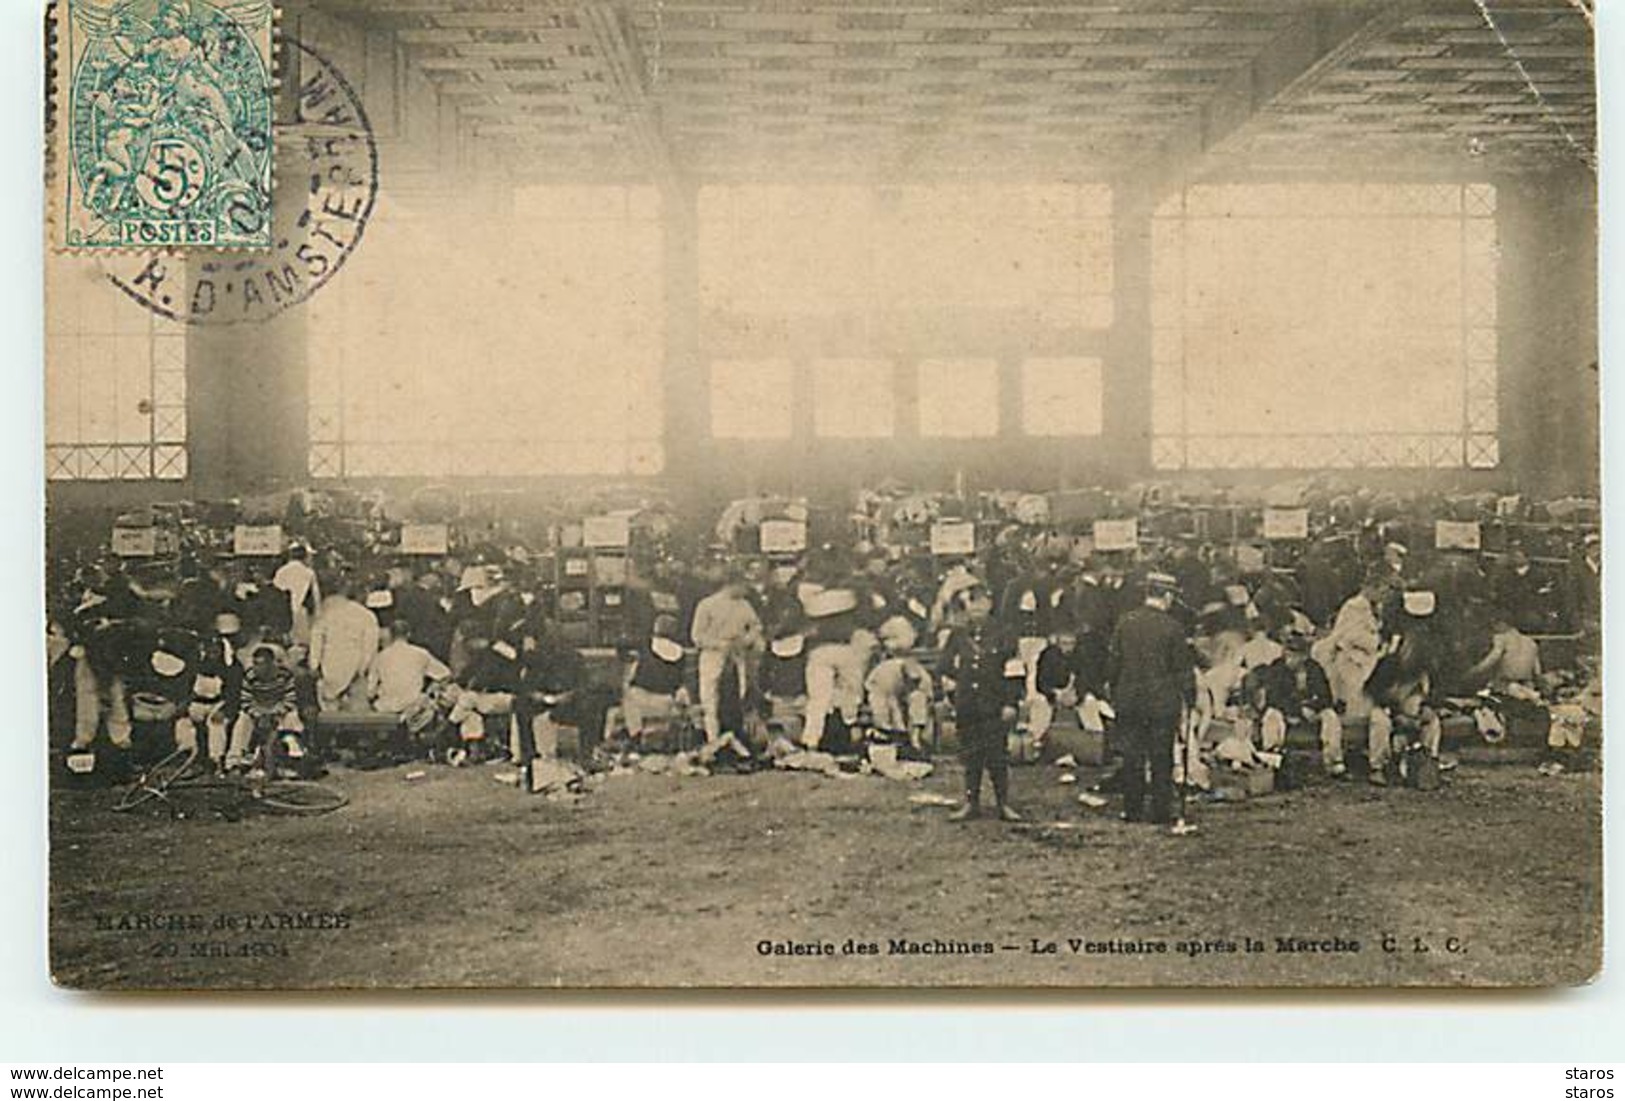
column 982, row 670
column 1153, row 678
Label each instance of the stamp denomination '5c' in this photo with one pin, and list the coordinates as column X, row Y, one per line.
column 164, row 123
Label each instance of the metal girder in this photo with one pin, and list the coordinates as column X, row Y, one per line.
column 1309, row 47
column 630, row 79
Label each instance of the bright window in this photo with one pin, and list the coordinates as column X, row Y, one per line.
column 524, row 345
column 1061, row 397
column 750, row 399
column 784, row 250
column 853, row 399
column 1040, row 251
column 1044, row 251
column 959, row 398
column 1318, row 325
column 115, row 381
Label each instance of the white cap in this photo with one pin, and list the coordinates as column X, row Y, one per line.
column 899, row 632
column 1420, row 602
column 166, row 664
column 830, row 602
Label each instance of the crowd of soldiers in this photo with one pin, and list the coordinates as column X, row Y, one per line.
column 829, row 649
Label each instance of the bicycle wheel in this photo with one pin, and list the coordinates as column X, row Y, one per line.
column 154, row 782
column 304, row 797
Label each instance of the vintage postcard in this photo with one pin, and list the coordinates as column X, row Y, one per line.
column 843, row 493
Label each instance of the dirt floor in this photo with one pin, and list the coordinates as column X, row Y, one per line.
column 453, row 879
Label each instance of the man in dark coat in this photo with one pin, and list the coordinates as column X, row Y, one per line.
column 1523, row 592
column 1153, row 678
column 1034, row 605
column 1073, row 664
column 1328, row 574
column 1096, row 602
column 552, row 675
column 982, row 669
column 1292, row 691
column 1038, row 602
column 419, row 604
column 198, row 598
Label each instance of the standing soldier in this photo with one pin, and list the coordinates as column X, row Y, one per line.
column 1153, row 678
column 983, row 671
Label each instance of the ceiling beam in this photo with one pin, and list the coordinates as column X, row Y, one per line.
column 629, row 77
column 1311, row 46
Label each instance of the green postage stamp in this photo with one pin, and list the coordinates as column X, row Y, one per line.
column 163, row 132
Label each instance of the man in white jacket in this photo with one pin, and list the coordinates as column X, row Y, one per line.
column 726, row 629
column 343, row 643
column 298, row 580
column 1350, row 651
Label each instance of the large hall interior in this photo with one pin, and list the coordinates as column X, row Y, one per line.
column 1271, row 303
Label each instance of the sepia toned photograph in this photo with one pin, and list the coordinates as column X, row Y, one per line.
column 822, row 494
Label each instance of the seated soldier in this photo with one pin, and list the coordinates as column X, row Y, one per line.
column 1522, row 593
column 836, row 666
column 1402, row 686
column 1293, row 690
column 1569, row 718
column 898, row 687
column 784, row 677
column 551, row 677
column 851, row 674
column 1224, row 637
column 160, row 693
column 486, row 688
column 269, row 707
column 1511, row 672
column 343, row 643
column 654, row 688
column 1513, row 657
column 419, row 602
column 1260, row 649
column 1350, row 650
column 403, row 679
column 216, row 690
column 106, row 642
column 1033, row 603
column 1071, row 675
